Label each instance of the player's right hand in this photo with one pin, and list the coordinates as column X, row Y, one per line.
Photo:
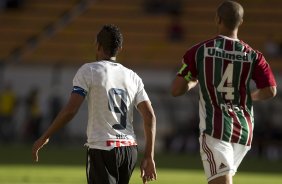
column 37, row 146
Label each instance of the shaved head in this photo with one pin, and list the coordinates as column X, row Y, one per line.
column 231, row 14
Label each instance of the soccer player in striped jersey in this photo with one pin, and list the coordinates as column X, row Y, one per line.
column 224, row 67
column 113, row 91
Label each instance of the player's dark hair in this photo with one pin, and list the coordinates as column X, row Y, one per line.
column 231, row 14
column 110, row 38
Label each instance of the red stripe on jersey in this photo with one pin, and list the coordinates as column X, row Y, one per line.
column 225, row 64
column 217, row 123
column 236, row 132
column 228, row 45
column 250, row 125
column 243, row 81
column 210, row 43
column 244, row 76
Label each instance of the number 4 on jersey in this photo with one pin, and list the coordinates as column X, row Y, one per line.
column 225, row 85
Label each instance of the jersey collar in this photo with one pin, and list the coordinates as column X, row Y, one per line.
column 228, row 38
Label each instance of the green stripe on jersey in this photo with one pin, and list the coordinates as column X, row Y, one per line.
column 249, row 102
column 218, row 65
column 202, row 80
column 227, row 122
column 244, row 128
column 238, row 46
column 219, row 43
column 236, row 81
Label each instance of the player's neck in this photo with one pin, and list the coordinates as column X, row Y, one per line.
column 106, row 58
column 229, row 33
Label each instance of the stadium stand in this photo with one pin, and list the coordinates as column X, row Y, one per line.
column 145, row 42
column 20, row 27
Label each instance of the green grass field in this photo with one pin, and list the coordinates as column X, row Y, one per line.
column 66, row 166
column 35, row 174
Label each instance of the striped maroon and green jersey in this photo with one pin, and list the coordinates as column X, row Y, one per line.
column 224, row 68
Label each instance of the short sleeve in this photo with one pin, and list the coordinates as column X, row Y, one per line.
column 262, row 74
column 82, row 80
column 188, row 69
column 141, row 94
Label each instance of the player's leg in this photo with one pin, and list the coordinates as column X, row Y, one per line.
column 225, row 179
column 101, row 167
column 128, row 159
column 240, row 152
column 217, row 158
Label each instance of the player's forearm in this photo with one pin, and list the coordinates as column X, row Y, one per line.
column 180, row 86
column 66, row 114
column 150, row 144
column 149, row 118
column 264, row 93
column 60, row 121
column 178, row 90
column 150, row 134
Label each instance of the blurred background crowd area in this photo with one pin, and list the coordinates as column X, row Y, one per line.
column 43, row 43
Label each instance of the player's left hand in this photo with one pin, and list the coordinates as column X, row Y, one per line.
column 37, row 146
column 148, row 170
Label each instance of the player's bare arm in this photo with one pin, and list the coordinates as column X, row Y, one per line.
column 148, row 169
column 180, row 86
column 264, row 93
column 66, row 114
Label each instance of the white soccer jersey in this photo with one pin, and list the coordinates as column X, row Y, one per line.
column 112, row 91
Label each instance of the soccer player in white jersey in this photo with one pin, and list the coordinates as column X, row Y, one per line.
column 224, row 66
column 113, row 91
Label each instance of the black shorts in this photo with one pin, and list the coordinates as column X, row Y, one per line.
column 110, row 167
